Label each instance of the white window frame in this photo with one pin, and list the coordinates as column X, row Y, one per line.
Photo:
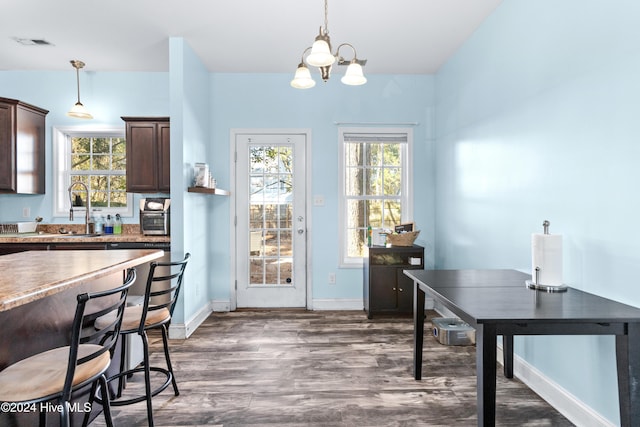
column 62, row 168
column 406, row 198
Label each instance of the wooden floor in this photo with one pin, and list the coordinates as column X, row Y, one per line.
column 320, row 368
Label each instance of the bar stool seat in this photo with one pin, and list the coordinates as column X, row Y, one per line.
column 43, row 374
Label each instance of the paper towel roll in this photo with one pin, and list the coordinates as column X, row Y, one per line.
column 546, row 253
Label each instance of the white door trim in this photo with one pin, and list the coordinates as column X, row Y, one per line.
column 232, row 218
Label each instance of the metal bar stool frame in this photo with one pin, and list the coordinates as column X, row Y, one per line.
column 151, row 315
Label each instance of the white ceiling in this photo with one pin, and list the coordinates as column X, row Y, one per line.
column 234, row 36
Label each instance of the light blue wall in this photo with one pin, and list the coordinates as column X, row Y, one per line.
column 537, row 118
column 267, row 101
column 190, row 129
column 106, row 95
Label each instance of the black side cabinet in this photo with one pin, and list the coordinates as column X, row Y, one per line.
column 386, row 288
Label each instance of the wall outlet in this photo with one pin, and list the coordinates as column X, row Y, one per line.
column 26, row 212
column 332, row 278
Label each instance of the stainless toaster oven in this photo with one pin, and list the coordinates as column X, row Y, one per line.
column 155, row 216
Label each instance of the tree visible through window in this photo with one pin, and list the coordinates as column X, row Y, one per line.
column 374, row 175
column 98, row 159
column 100, row 163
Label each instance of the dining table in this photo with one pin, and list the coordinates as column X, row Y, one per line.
column 498, row 302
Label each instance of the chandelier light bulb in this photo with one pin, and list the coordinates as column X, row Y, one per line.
column 302, row 78
column 354, row 75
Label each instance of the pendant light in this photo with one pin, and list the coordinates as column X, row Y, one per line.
column 78, row 111
column 321, row 57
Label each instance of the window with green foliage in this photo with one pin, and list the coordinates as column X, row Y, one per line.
column 98, row 159
column 375, row 186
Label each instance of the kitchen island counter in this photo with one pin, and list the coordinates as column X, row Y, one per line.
column 33, row 275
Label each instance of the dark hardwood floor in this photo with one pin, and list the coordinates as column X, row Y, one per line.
column 323, row 368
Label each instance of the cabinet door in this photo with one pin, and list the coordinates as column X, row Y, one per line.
column 142, row 157
column 383, row 289
column 405, row 291
column 7, row 148
column 164, row 164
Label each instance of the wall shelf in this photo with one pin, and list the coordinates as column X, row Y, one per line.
column 204, row 190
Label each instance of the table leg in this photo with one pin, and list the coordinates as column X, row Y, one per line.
column 628, row 364
column 507, row 355
column 418, row 329
column 486, row 341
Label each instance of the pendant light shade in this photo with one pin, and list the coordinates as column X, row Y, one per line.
column 302, row 79
column 78, row 110
column 354, row 75
column 321, row 55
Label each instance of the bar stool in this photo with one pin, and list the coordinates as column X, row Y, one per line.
column 161, row 294
column 53, row 375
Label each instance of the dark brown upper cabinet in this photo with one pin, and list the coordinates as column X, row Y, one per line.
column 148, row 143
column 22, row 145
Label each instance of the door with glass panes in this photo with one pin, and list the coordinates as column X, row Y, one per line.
column 270, row 220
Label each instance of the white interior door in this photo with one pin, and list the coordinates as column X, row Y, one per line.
column 270, row 220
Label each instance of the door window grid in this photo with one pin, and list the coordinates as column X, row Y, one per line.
column 270, row 215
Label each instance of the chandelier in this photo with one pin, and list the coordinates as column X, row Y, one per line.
column 319, row 55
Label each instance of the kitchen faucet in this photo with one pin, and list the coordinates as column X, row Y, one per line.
column 86, row 190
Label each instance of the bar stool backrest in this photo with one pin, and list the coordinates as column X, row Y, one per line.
column 90, row 306
column 163, row 287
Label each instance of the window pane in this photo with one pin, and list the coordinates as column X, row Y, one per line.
column 101, row 145
column 392, row 181
column 392, row 155
column 99, row 199
column 119, row 146
column 80, row 145
column 80, row 162
column 118, row 183
column 101, row 162
column 356, row 213
column 119, row 163
column 355, row 242
column 392, row 214
column 118, row 199
column 375, row 213
column 286, row 157
column 373, row 154
column 373, row 182
column 353, row 181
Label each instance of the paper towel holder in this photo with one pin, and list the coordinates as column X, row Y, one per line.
column 540, row 287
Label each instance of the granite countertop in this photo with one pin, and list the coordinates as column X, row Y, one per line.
column 32, row 275
column 49, row 233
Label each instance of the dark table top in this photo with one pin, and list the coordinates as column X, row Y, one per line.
column 495, row 296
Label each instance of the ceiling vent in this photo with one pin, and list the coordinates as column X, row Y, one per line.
column 32, row 42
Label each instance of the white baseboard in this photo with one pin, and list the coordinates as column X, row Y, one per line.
column 337, row 304
column 184, row 330
column 564, row 402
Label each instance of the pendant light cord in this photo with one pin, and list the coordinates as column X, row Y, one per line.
column 78, row 82
column 326, row 16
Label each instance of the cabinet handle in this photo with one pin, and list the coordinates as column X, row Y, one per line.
column 400, row 289
column 393, row 289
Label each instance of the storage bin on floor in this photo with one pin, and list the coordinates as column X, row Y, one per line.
column 452, row 331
